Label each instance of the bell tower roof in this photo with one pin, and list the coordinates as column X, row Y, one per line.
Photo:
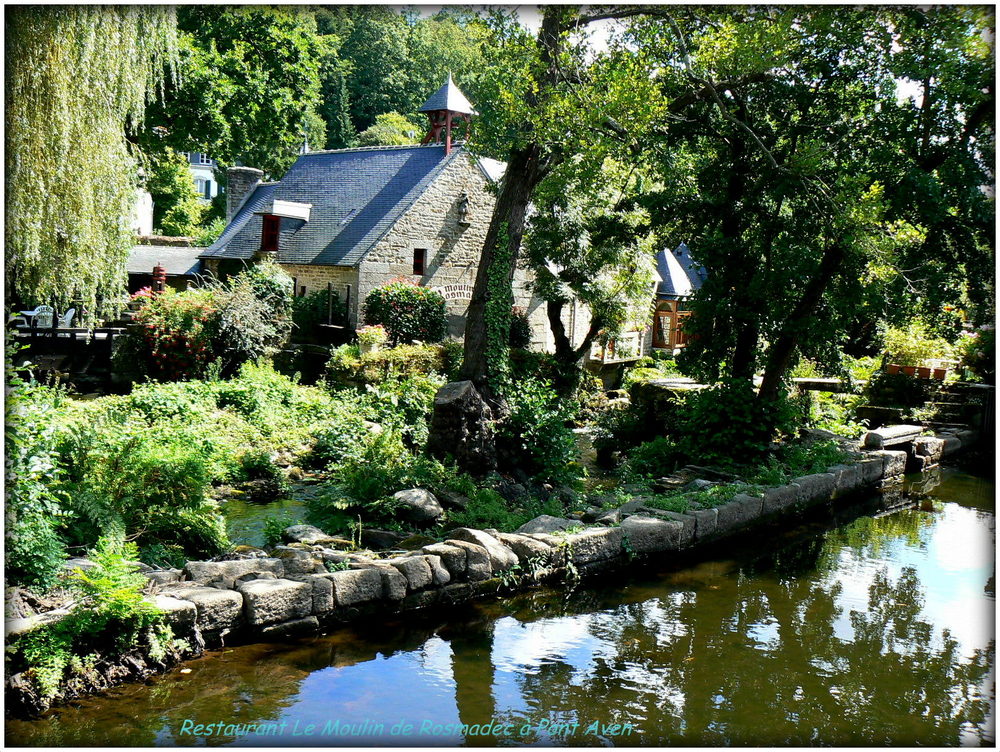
column 449, row 98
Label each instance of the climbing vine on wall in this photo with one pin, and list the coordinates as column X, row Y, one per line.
column 78, row 79
column 497, row 313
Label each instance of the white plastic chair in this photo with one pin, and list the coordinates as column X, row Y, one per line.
column 67, row 318
column 43, row 317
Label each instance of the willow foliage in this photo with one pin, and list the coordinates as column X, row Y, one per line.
column 78, row 80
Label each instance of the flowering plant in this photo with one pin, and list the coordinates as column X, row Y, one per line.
column 372, row 335
column 146, row 293
column 978, row 352
column 409, row 312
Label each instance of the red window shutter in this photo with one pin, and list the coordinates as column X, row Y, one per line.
column 269, row 233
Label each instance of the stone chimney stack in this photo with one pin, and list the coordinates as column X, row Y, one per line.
column 242, row 181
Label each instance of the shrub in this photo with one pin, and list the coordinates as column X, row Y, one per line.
column 408, row 311
column 257, row 465
column 348, row 367
column 372, row 336
column 34, row 550
column 112, row 616
column 654, row 458
column 913, row 344
column 536, row 436
column 978, row 353
column 520, row 329
column 181, row 335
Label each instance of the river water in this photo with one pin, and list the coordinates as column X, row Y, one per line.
column 861, row 627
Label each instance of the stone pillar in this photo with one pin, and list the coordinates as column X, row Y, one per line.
column 242, row 181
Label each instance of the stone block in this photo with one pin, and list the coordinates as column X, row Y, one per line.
column 179, row 614
column 688, row 524
column 224, row 574
column 893, row 463
column 273, row 601
column 393, row 584
column 871, row 469
column 159, row 577
column 292, row 628
column 307, row 534
column 546, row 523
column 501, row 557
column 650, row 535
column 477, row 564
column 780, row 498
column 846, row 479
column 13, row 628
column 929, row 446
column 322, row 592
column 891, row 436
column 417, row 570
column 951, row 445
column 968, row 437
column 596, row 544
column 706, row 522
column 418, row 505
column 218, row 610
column 453, row 557
column 814, row 489
column 298, row 561
column 356, row 586
column 739, row 513
column 527, row 549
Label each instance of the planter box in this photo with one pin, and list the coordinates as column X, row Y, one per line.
column 920, row 372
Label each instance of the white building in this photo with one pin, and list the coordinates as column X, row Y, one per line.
column 203, row 172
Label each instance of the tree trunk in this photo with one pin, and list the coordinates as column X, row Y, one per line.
column 568, row 358
column 779, row 355
column 507, row 226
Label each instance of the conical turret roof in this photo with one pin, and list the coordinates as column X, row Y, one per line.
column 448, row 97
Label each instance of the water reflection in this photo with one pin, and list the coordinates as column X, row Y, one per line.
column 877, row 632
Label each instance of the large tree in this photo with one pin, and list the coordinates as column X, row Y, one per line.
column 78, row 80
column 248, row 89
column 794, row 172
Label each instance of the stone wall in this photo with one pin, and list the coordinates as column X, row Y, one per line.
column 309, row 586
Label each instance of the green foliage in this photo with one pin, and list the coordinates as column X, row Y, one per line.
column 653, row 459
column 272, row 481
column 274, row 529
column 206, row 235
column 408, row 311
column 112, row 616
column 78, row 79
column 309, row 311
column 212, row 329
column 177, row 208
column 248, row 87
column 897, row 390
column 650, row 369
column 913, row 344
column 348, row 367
column 978, row 353
column 33, row 548
column 520, row 329
column 794, row 460
column 537, row 431
column 391, row 129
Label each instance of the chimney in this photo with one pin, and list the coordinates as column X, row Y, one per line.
column 242, row 180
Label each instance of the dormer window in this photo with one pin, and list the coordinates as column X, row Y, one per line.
column 270, row 233
column 419, row 261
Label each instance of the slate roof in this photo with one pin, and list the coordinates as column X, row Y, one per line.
column 177, row 260
column 357, row 196
column 448, row 97
column 680, row 276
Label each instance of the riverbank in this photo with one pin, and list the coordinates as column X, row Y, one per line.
column 293, row 592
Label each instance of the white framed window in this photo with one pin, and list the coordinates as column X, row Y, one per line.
column 199, row 185
column 202, row 159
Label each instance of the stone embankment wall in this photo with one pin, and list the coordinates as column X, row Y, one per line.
column 293, row 592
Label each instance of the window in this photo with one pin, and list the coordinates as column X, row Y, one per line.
column 202, row 159
column 207, row 193
column 419, row 260
column 269, row 233
column 199, row 185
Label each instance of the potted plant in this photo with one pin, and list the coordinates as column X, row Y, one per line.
column 908, row 350
column 372, row 338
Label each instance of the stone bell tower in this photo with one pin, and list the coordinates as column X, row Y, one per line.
column 444, row 108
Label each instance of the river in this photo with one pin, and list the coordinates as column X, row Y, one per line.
column 865, row 627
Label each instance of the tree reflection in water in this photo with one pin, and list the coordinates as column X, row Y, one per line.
column 841, row 637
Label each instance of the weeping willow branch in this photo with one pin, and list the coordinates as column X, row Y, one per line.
column 78, row 80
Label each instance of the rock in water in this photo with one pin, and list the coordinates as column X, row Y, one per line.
column 418, row 505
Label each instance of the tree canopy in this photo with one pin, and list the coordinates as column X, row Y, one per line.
column 78, row 80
